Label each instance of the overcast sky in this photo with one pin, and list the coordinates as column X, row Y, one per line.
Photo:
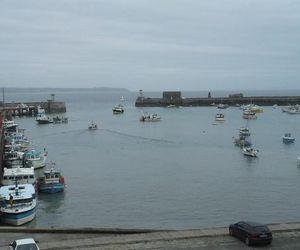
column 150, row 44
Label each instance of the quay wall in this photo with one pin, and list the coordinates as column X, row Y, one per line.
column 32, row 107
column 206, row 101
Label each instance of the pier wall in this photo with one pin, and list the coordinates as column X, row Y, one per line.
column 206, row 101
column 31, row 108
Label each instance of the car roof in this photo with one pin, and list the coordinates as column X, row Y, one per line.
column 25, row 241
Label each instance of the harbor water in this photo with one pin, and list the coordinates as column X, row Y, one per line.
column 180, row 173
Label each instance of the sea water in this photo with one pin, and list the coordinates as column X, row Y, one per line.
column 182, row 172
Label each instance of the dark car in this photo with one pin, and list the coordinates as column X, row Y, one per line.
column 251, row 232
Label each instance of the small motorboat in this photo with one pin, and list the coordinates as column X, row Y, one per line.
column 150, row 118
column 287, row 138
column 220, row 117
column 250, row 115
column 43, row 119
column 244, row 131
column 249, row 151
column 93, row 126
column 118, row 109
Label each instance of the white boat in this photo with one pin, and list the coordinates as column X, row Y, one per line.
column 22, row 175
column 220, row 117
column 287, row 138
column 247, row 114
column 118, row 109
column 93, row 126
column 256, row 109
column 150, row 118
column 293, row 111
column 35, row 159
column 244, row 131
column 12, row 158
column 222, row 106
column 18, row 204
column 10, row 126
column 249, row 151
column 43, row 119
column 298, row 161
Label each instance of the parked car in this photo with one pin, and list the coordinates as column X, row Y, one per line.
column 24, row 244
column 251, row 232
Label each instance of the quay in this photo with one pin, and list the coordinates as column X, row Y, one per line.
column 31, row 108
column 285, row 236
column 175, row 98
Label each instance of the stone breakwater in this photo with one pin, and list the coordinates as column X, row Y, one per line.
column 211, row 101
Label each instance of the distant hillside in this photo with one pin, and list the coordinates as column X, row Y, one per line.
column 104, row 89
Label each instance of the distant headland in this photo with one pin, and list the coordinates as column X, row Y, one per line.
column 104, row 89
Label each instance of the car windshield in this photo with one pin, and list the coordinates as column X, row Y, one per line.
column 30, row 246
column 260, row 229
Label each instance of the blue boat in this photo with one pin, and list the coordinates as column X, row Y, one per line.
column 18, row 204
column 52, row 182
column 287, row 138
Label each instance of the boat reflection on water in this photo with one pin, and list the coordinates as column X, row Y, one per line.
column 51, row 203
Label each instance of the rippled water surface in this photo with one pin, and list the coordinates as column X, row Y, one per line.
column 182, row 172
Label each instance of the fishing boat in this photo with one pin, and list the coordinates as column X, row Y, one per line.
column 220, row 117
column 150, row 117
column 19, row 204
column 35, row 159
column 12, row 158
column 20, row 174
column 52, row 181
column 249, row 151
column 118, row 109
column 287, row 138
column 43, row 119
column 93, row 126
column 10, row 126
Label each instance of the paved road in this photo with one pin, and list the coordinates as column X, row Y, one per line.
column 284, row 237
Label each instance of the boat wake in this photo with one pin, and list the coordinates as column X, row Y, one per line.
column 137, row 136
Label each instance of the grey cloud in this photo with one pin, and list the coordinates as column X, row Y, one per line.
column 152, row 45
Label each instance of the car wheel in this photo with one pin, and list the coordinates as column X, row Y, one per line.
column 247, row 241
column 230, row 232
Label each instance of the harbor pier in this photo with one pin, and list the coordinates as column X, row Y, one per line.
column 31, row 108
column 175, row 98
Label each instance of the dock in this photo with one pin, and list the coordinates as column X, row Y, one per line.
column 31, row 108
column 175, row 98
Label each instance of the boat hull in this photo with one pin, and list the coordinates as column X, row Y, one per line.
column 52, row 188
column 17, row 219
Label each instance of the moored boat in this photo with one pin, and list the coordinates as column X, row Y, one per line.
column 10, row 126
column 247, row 114
column 249, row 151
column 92, row 126
column 22, row 175
column 43, row 119
column 51, row 182
column 287, row 138
column 220, row 117
column 118, row 109
column 35, row 159
column 19, row 204
column 150, row 117
column 244, row 131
